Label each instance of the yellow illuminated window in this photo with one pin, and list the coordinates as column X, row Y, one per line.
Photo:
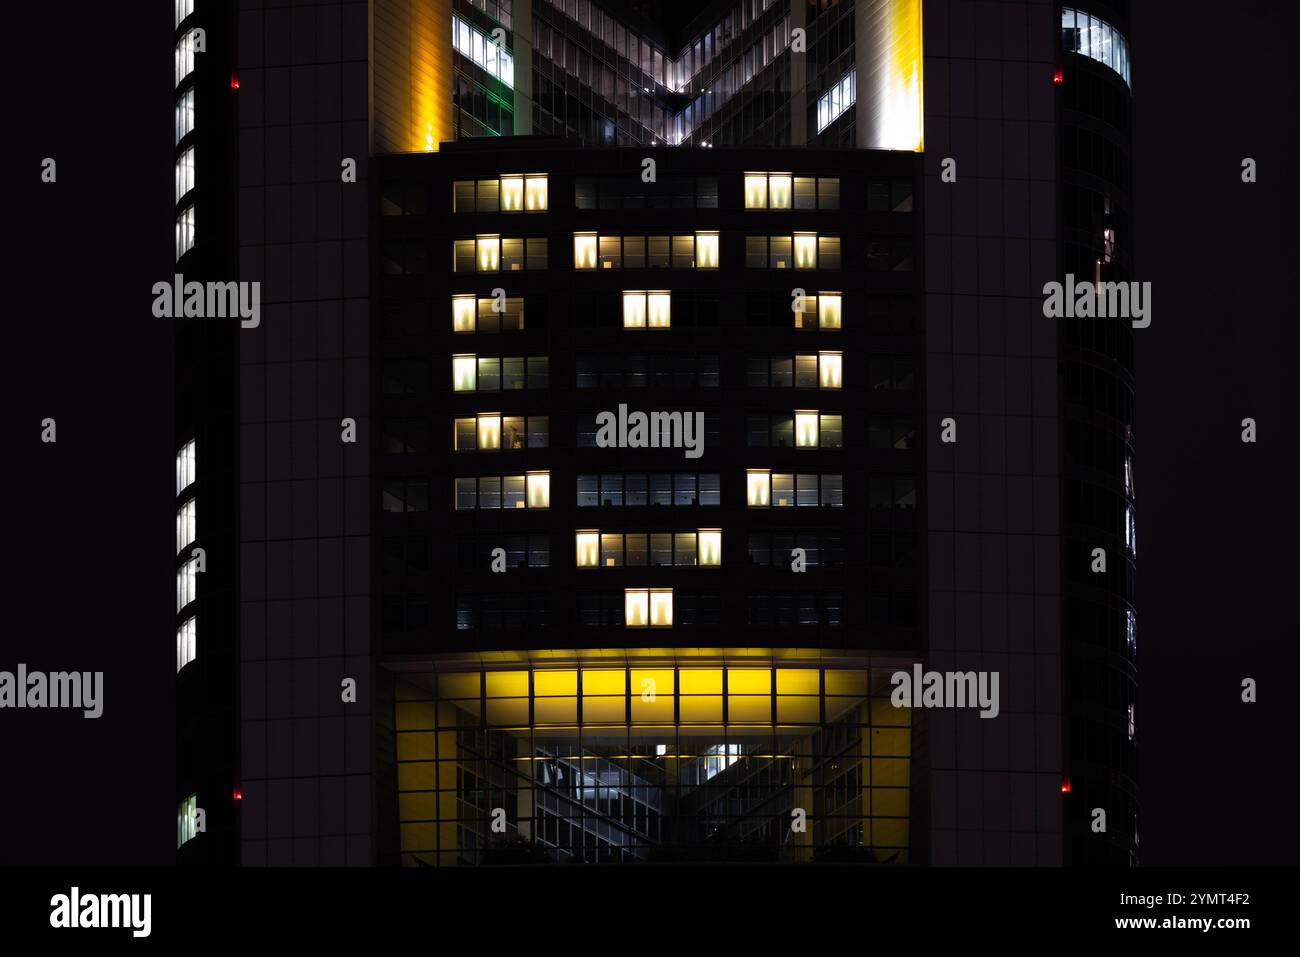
column 709, row 545
column 805, row 430
column 783, row 490
column 489, row 432
column 463, row 311
column 648, row 608
column 805, row 251
column 584, row 250
column 706, row 250
column 830, row 370
column 779, row 191
column 512, row 193
column 539, row 489
column 487, row 253
column 636, row 607
column 661, row 607
column 535, row 193
column 759, row 482
column 756, row 191
column 464, row 373
column 634, row 306
column 588, row 548
column 828, row 310
column 660, row 310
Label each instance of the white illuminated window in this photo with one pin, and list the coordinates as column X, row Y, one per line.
column 184, row 115
column 584, row 250
column 709, row 546
column 588, row 548
column 464, row 373
column 187, row 637
column 1132, row 721
column 487, row 253
column 483, row 50
column 186, row 466
column 830, row 371
column 756, row 191
column 828, row 310
column 512, row 194
column 758, row 483
column 1132, row 630
column 636, row 607
column 489, row 432
column 184, row 57
column 634, row 307
column 661, row 607
column 184, row 231
column 778, row 190
column 805, row 430
column 660, row 309
column 185, row 814
column 187, row 584
column 535, row 190
column 184, row 173
column 1130, row 529
column 539, row 489
column 186, row 524
column 834, row 102
column 805, row 251
column 706, row 250
column 183, row 9
column 464, row 311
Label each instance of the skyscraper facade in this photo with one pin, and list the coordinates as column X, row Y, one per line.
column 637, row 395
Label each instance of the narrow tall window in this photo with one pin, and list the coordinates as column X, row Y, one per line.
column 584, row 250
column 187, row 638
column 828, row 310
column 186, row 466
column 184, row 57
column 184, row 115
column 185, row 814
column 184, row 173
column 184, row 232
column 187, row 584
column 183, row 9
column 706, row 250
column 186, row 530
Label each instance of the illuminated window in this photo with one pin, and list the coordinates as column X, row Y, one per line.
column 805, row 430
column 1132, row 721
column 830, row 370
column 1130, row 529
column 183, row 9
column 588, row 549
column 483, row 51
column 1128, row 476
column 489, row 432
column 758, row 487
column 512, row 194
column 1131, row 630
column 184, row 115
column 539, row 489
column 832, row 104
column 535, row 193
column 184, row 173
column 651, row 607
column 647, row 309
column 773, row 191
column 828, row 310
column 487, row 253
column 464, row 373
column 186, row 812
column 187, row 584
column 184, row 231
column 184, row 56
column 706, row 250
column 710, row 546
column 778, row 191
column 187, row 637
column 756, row 191
column 463, row 311
column 1096, row 39
column 805, row 251
column 186, row 466
column 584, row 250
column 186, row 517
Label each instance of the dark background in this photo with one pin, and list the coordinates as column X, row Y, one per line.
column 88, row 572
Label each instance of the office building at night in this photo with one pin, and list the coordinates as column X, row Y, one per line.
column 634, row 395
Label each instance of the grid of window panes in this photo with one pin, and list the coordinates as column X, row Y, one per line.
column 1096, row 39
column 654, row 762
column 832, row 104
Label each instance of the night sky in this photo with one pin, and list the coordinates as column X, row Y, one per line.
column 89, row 579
